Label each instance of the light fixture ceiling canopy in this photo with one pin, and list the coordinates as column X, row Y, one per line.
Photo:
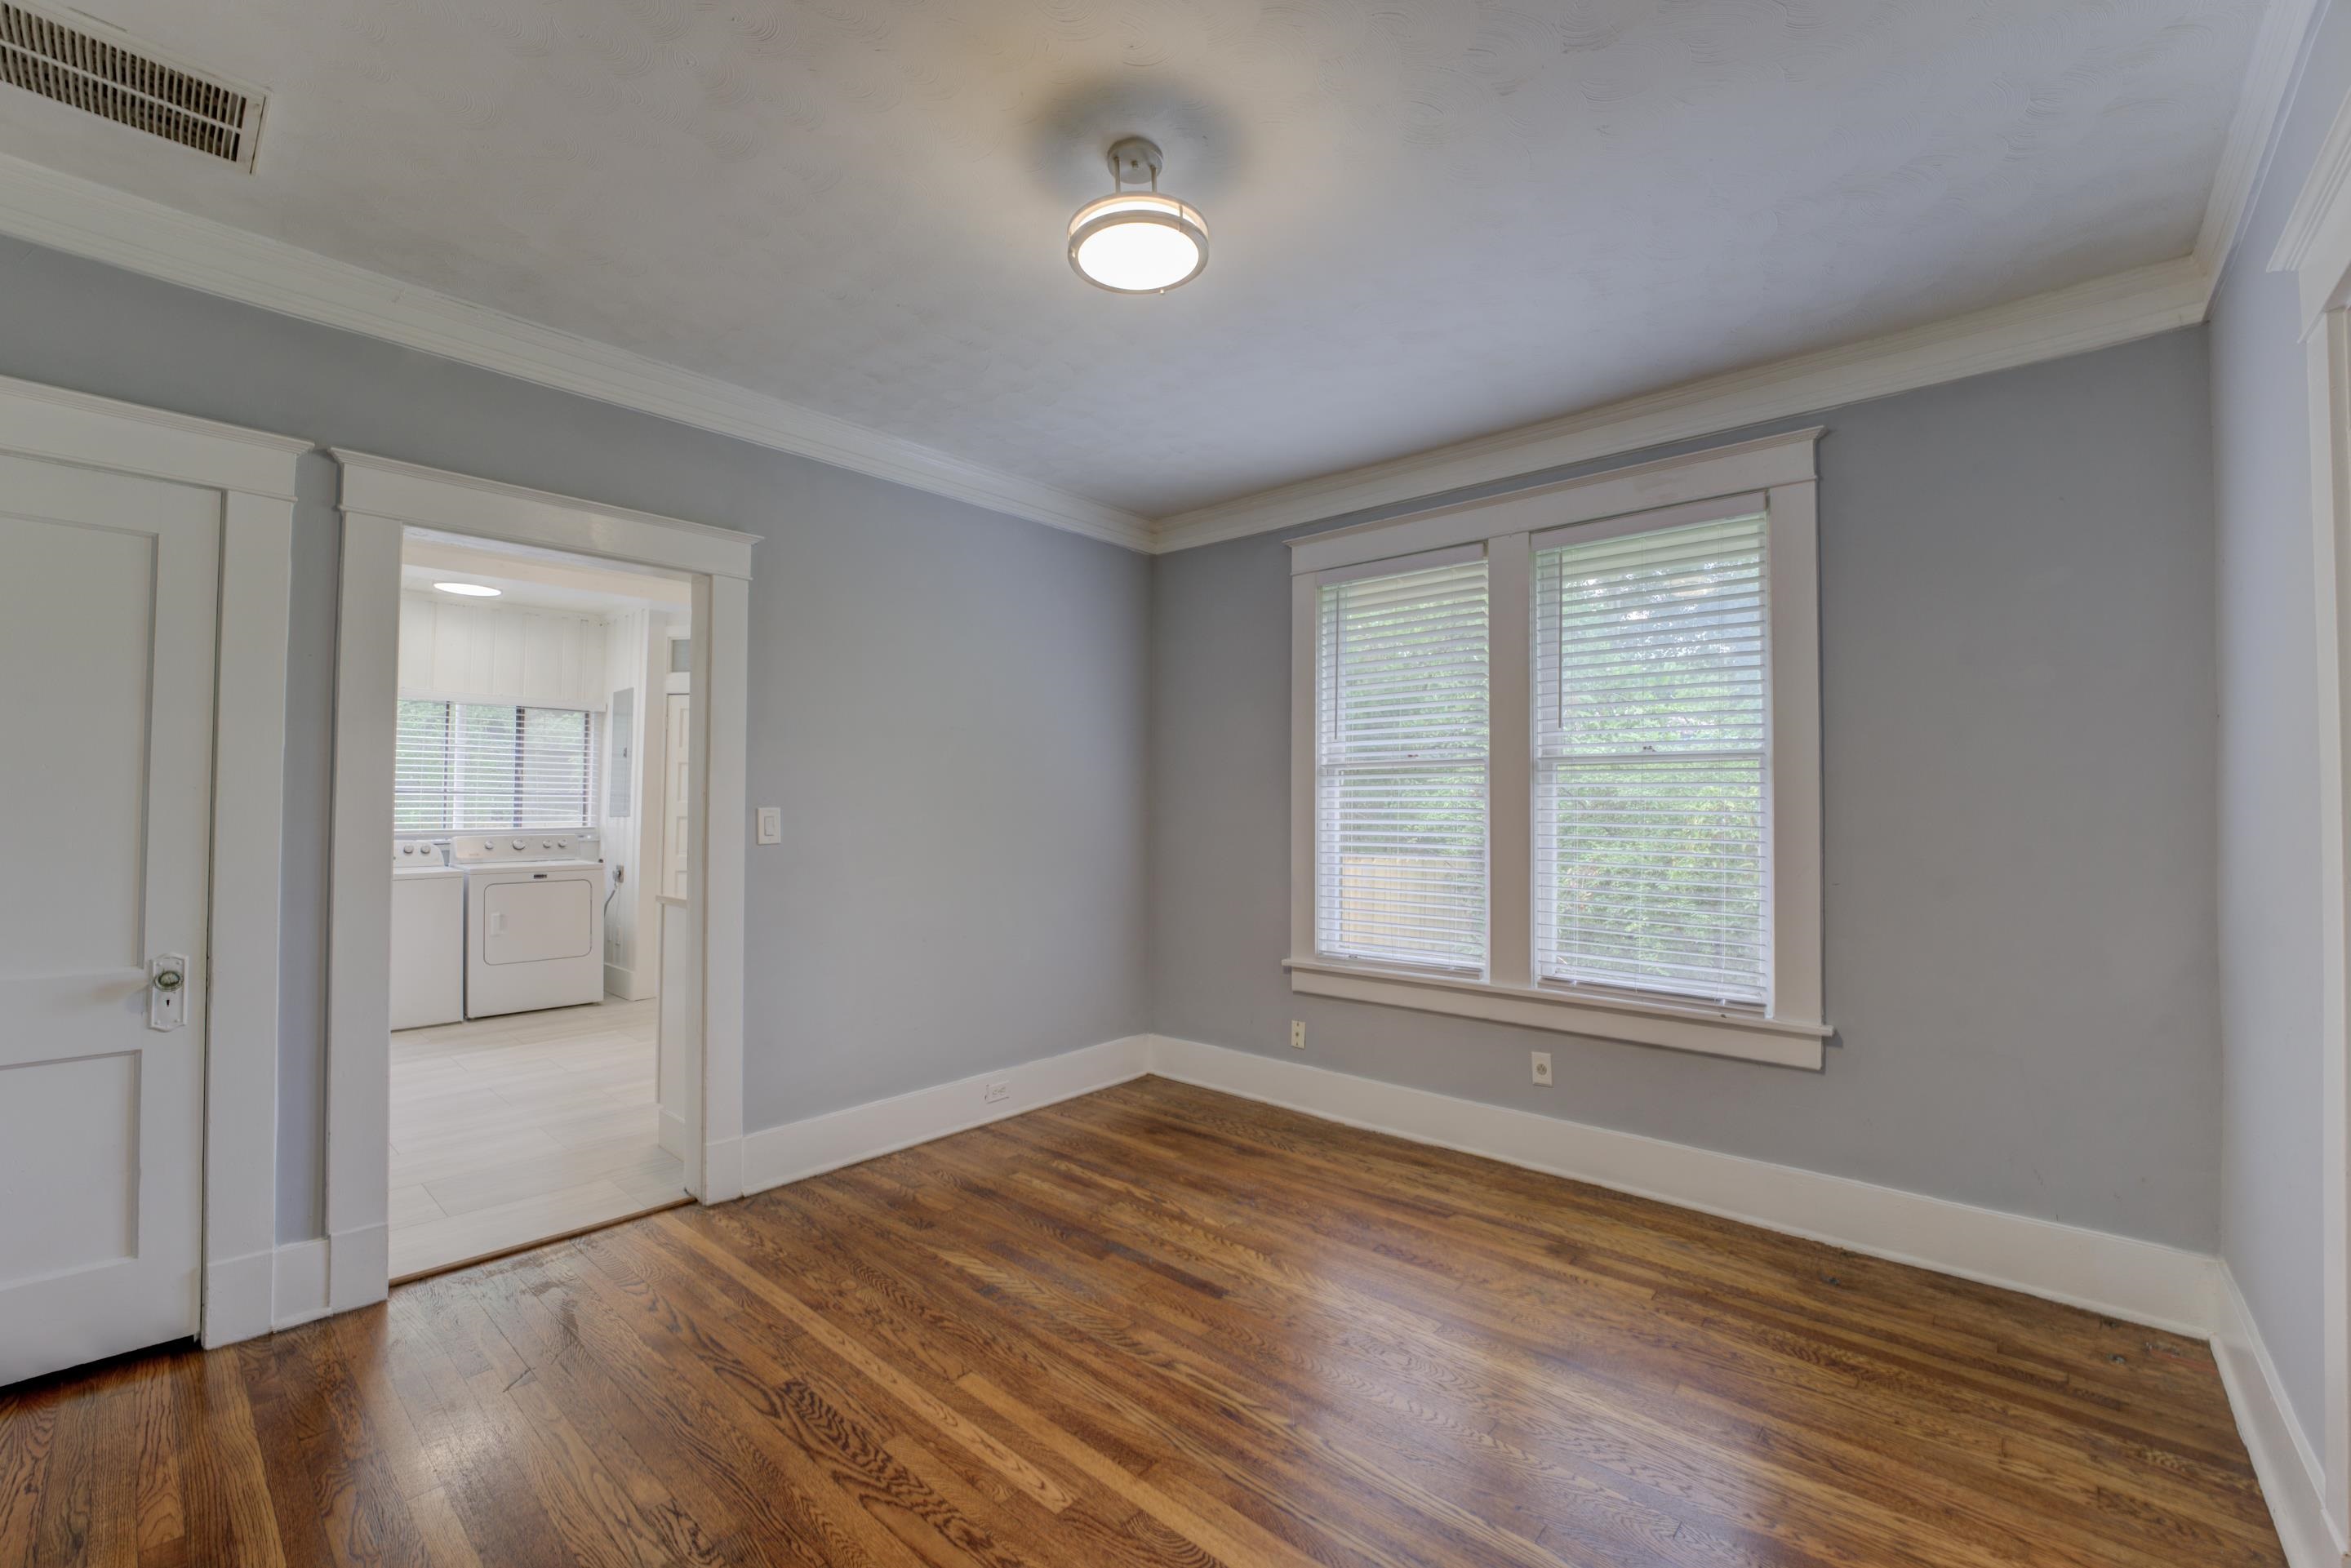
column 1137, row 242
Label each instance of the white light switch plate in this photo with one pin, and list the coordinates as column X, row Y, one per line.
column 771, row 824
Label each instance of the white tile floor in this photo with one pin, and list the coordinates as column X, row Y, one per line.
column 511, row 1130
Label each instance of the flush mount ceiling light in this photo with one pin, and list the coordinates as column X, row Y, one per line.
column 1137, row 242
column 470, row 590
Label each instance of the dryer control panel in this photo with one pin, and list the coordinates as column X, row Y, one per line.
column 507, row 846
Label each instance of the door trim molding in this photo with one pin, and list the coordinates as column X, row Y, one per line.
column 2316, row 247
column 382, row 497
column 254, row 472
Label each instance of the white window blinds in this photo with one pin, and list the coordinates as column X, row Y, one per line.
column 1652, row 789
column 1400, row 768
column 466, row 767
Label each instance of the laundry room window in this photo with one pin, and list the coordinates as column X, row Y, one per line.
column 469, row 767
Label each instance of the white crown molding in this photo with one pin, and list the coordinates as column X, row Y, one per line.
column 87, row 219
column 92, row 220
column 2269, row 76
column 2093, row 314
column 2096, row 314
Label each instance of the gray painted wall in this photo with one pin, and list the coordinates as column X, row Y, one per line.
column 2019, row 707
column 2269, row 809
column 948, row 704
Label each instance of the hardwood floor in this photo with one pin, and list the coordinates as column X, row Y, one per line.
column 506, row 1131
column 1157, row 1326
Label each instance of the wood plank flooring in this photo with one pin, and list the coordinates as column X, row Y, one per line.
column 1157, row 1326
column 506, row 1131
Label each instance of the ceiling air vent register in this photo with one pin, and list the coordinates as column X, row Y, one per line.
column 116, row 79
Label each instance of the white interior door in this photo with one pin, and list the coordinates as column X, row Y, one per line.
column 108, row 593
column 676, row 804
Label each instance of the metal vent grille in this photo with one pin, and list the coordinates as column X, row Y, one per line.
column 112, row 79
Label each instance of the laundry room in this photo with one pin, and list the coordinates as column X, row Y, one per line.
column 541, row 823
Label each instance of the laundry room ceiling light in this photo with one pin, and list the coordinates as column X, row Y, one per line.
column 1137, row 242
column 470, row 590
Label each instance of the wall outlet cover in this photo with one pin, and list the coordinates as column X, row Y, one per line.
column 999, row 1089
column 1542, row 1066
column 1298, row 1034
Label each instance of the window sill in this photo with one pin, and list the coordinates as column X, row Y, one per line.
column 1714, row 1032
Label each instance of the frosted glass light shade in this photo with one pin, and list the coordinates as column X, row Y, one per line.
column 1138, row 243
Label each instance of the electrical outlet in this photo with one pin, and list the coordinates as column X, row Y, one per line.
column 1542, row 1068
column 999, row 1089
column 1298, row 1034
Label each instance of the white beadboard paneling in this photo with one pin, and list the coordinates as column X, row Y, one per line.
column 454, row 650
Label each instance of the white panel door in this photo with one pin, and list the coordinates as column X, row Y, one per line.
column 107, row 589
column 676, row 804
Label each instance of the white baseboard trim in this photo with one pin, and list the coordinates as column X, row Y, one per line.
column 722, row 1170
column 247, row 1296
column 2164, row 1287
column 301, row 1289
column 237, row 1299
column 2290, row 1477
column 359, row 1265
column 820, row 1143
column 621, row 983
column 674, row 1135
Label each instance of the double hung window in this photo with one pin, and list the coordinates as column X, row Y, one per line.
column 1558, row 758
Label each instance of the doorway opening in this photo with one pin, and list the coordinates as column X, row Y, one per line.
column 541, row 826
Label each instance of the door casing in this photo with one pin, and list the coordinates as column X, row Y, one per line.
column 382, row 498
column 254, row 473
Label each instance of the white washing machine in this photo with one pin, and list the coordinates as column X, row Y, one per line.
column 534, row 920
column 428, row 936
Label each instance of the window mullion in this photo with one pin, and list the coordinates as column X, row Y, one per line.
column 1509, row 753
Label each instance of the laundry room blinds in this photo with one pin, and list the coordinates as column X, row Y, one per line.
column 467, row 766
column 1400, row 760
column 1651, row 798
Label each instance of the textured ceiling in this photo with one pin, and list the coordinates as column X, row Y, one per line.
column 1431, row 218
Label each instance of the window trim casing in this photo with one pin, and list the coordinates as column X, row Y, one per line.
column 1790, row 1029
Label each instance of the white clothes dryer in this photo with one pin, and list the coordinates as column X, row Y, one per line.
column 534, row 920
